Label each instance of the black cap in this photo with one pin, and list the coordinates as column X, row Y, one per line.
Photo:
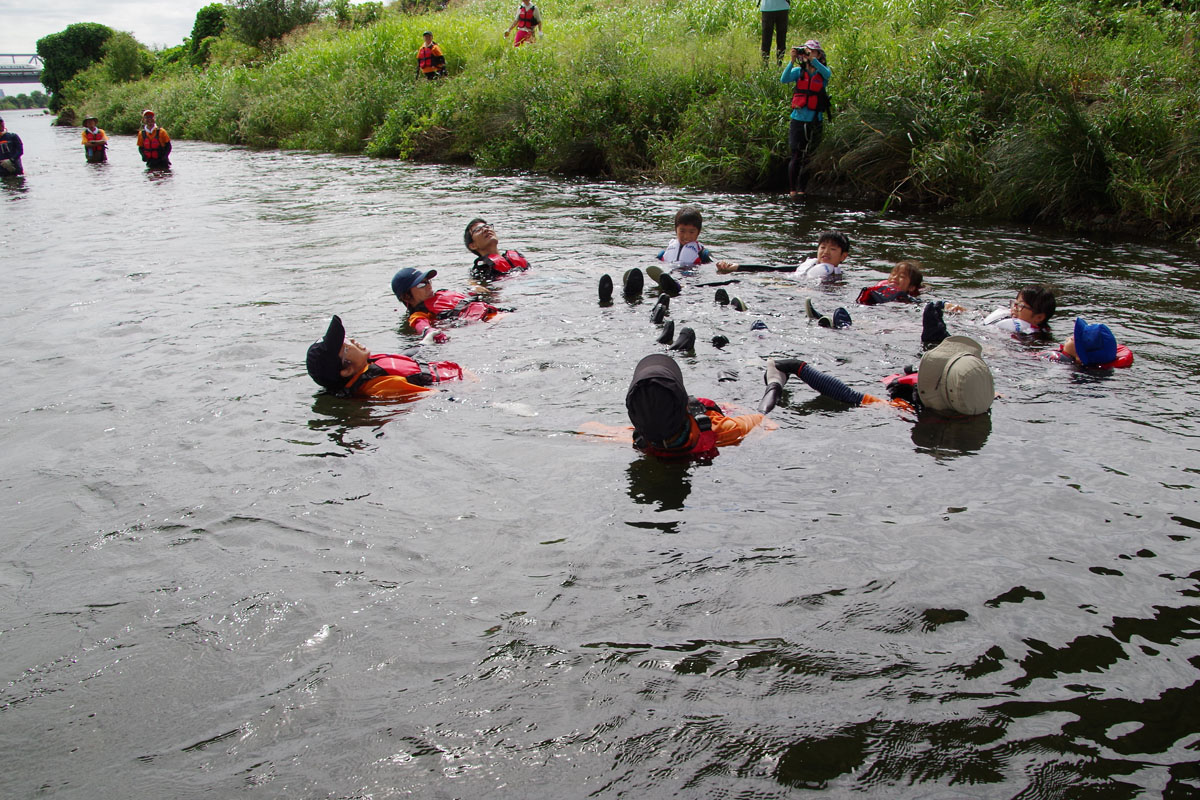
column 657, row 399
column 404, row 280
column 325, row 357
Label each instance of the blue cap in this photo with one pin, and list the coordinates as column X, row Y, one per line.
column 404, row 280
column 1094, row 344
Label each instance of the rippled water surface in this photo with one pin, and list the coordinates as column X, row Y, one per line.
column 216, row 582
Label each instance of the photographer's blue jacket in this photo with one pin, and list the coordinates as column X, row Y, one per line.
column 791, row 74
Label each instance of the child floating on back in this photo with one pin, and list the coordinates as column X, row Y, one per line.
column 347, row 369
column 833, row 247
column 1092, row 346
column 901, row 286
column 480, row 238
column 425, row 306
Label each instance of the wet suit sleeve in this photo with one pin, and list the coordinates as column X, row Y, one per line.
column 420, row 321
column 391, row 386
column 731, row 430
column 767, row 268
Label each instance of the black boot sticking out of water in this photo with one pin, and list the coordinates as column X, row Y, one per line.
column 606, row 289
column 722, row 297
column 668, row 332
column 632, row 282
column 686, row 340
column 664, row 280
column 933, row 324
column 659, row 312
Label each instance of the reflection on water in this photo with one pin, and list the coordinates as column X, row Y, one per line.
column 664, row 484
column 947, row 438
column 458, row 597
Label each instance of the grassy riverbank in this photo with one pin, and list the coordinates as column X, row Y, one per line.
column 1070, row 112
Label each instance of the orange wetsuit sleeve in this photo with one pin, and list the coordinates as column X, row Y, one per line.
column 420, row 320
column 390, row 386
column 731, row 430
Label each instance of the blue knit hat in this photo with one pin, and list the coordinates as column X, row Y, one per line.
column 1094, row 344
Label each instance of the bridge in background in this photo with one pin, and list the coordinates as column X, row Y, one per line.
column 20, row 68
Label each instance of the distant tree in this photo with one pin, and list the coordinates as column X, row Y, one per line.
column 125, row 59
column 210, row 21
column 65, row 53
column 256, row 21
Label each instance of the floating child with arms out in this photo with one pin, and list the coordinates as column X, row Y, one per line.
column 833, row 247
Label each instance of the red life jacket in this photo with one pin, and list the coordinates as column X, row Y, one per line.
column 446, row 304
column 426, row 373
column 98, row 136
column 150, row 146
column 882, row 292
column 507, row 261
column 1123, row 360
column 527, row 17
column 702, row 438
column 425, row 58
column 808, row 89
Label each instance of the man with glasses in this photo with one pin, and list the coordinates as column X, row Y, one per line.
column 480, row 238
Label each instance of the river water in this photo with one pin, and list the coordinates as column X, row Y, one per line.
column 217, row 582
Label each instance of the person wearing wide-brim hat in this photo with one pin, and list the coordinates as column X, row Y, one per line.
column 95, row 142
column 951, row 380
column 670, row 423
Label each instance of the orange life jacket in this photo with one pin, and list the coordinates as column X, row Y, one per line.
column 151, row 143
column 425, row 58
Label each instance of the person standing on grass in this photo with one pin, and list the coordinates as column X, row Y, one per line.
column 809, row 73
column 774, row 19
column 528, row 19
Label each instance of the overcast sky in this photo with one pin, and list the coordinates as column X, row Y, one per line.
column 156, row 25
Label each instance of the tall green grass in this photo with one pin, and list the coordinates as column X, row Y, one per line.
column 1060, row 111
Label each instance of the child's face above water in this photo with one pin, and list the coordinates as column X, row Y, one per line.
column 686, row 234
column 1021, row 310
column 354, row 357
column 830, row 253
column 901, row 281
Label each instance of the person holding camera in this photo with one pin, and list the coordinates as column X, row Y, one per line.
column 810, row 75
column 774, row 19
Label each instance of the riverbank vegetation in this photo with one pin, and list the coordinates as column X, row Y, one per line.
column 1078, row 112
column 34, row 99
